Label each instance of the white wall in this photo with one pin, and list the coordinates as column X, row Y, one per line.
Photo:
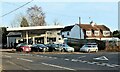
column 74, row 33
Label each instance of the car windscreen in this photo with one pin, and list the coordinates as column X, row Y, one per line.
column 41, row 45
column 88, row 46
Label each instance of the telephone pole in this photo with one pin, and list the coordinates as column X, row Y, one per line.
column 79, row 26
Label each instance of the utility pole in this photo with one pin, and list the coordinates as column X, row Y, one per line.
column 79, row 26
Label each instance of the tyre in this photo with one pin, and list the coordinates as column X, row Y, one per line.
column 44, row 49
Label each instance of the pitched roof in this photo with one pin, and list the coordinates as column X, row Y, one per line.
column 95, row 27
column 67, row 28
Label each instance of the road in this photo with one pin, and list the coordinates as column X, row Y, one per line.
column 58, row 62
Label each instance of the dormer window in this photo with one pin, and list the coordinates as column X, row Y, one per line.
column 88, row 33
column 96, row 33
column 106, row 33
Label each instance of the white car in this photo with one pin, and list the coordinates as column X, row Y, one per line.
column 89, row 47
column 68, row 48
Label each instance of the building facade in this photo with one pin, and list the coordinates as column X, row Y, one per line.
column 87, row 31
column 37, row 34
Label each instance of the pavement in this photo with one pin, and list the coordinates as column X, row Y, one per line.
column 61, row 62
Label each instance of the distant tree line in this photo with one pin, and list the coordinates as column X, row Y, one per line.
column 116, row 33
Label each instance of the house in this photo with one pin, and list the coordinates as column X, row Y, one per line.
column 35, row 34
column 87, row 31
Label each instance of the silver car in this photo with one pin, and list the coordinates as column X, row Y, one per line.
column 89, row 47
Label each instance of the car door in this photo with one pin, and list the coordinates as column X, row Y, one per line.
column 93, row 48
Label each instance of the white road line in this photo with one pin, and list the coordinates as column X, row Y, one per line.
column 90, row 62
column 74, row 60
column 82, row 57
column 8, row 56
column 49, row 57
column 115, row 65
column 37, row 55
column 58, row 66
column 67, row 59
column 41, row 56
column 25, row 59
column 55, row 57
column 110, row 65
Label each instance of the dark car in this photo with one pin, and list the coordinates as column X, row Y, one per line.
column 39, row 47
column 55, row 47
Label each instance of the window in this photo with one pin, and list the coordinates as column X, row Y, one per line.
column 58, row 34
column 68, row 33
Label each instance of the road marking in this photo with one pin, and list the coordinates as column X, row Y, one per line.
column 109, row 65
column 74, row 60
column 115, row 65
column 18, row 65
column 101, row 58
column 58, row 66
column 67, row 59
column 82, row 57
column 25, row 59
column 41, row 56
column 49, row 57
column 55, row 57
column 90, row 62
column 37, row 55
column 8, row 56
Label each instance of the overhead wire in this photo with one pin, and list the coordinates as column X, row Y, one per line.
column 17, row 8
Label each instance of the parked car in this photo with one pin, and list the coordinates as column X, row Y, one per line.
column 67, row 48
column 89, row 47
column 39, row 47
column 23, row 47
column 55, row 47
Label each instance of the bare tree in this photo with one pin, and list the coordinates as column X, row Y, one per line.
column 17, row 20
column 55, row 22
column 36, row 16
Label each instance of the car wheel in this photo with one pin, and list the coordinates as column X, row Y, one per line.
column 38, row 50
column 44, row 49
column 62, row 50
column 21, row 50
column 89, row 51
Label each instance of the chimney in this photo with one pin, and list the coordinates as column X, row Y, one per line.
column 92, row 23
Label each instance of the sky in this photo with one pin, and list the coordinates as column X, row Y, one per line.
column 66, row 12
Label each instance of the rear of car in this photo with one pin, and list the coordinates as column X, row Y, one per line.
column 68, row 48
column 23, row 47
column 89, row 47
